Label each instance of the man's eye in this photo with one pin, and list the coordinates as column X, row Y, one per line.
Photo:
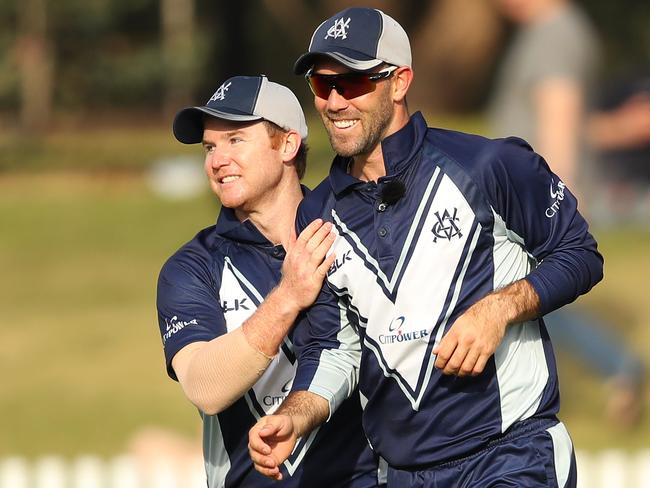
column 208, row 149
column 235, row 140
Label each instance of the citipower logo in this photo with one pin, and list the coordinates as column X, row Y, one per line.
column 275, row 400
column 398, row 335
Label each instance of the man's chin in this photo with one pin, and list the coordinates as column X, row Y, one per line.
column 343, row 148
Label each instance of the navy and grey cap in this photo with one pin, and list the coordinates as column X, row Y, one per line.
column 359, row 38
column 243, row 99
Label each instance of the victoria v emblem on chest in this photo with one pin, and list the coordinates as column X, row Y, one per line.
column 405, row 314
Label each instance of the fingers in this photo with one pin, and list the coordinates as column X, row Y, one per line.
column 460, row 354
column 309, row 231
column 292, row 237
column 265, row 465
column 256, row 441
column 325, row 266
column 320, row 251
column 314, row 234
column 445, row 350
column 322, row 235
column 469, row 363
column 260, row 451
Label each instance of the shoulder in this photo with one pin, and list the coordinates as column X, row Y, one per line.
column 194, row 261
column 316, row 204
column 475, row 153
column 489, row 163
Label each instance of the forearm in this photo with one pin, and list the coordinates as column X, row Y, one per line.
column 268, row 326
column 559, row 111
column 514, row 303
column 215, row 374
column 307, row 411
column 563, row 276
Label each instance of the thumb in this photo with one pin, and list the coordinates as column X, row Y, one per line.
column 269, row 430
column 292, row 237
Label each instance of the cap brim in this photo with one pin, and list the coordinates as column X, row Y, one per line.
column 352, row 59
column 188, row 123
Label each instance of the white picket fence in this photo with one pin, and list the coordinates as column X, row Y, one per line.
column 606, row 469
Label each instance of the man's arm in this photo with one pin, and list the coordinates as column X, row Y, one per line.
column 559, row 108
column 214, row 374
column 477, row 333
column 272, row 439
column 540, row 214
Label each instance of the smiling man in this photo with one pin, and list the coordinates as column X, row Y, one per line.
column 231, row 349
column 451, row 258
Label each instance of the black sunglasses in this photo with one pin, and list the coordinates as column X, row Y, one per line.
column 348, row 85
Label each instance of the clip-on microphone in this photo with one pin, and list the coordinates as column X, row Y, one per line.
column 391, row 193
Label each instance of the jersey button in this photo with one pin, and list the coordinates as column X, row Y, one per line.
column 382, row 232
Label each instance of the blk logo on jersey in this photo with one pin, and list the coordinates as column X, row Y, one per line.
column 338, row 262
column 220, row 94
column 339, row 29
column 446, row 226
column 235, row 305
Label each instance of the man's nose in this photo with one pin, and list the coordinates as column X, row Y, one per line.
column 336, row 102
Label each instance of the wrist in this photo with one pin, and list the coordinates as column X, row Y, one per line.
column 284, row 301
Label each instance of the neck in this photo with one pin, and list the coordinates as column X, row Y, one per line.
column 275, row 216
column 369, row 167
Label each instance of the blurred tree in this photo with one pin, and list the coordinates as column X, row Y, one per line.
column 453, row 42
column 76, row 57
column 453, row 45
column 35, row 64
column 179, row 54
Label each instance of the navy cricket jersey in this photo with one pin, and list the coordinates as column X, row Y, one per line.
column 210, row 287
column 477, row 215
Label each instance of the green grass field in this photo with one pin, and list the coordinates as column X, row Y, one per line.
column 81, row 356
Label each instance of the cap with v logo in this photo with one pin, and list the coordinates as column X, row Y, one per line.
column 242, row 99
column 359, row 38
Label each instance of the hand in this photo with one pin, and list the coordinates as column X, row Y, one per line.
column 305, row 265
column 471, row 340
column 270, row 442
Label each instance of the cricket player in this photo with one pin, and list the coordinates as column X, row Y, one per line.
column 450, row 249
column 228, row 298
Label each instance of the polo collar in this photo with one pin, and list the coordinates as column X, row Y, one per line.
column 229, row 226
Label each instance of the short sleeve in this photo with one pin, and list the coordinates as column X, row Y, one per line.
column 188, row 305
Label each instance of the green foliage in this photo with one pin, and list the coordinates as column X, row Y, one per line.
column 107, row 53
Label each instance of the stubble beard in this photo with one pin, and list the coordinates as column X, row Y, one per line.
column 374, row 126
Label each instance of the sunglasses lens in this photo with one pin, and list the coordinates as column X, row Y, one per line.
column 354, row 85
column 320, row 85
column 349, row 85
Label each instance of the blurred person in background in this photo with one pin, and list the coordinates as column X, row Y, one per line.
column 619, row 132
column 541, row 95
column 231, row 352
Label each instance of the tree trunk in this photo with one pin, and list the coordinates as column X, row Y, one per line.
column 179, row 54
column 35, row 65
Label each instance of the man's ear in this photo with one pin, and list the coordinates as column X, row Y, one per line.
column 402, row 78
column 290, row 145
